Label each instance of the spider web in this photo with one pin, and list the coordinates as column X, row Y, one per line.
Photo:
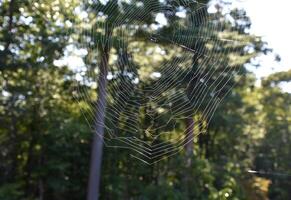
column 149, row 103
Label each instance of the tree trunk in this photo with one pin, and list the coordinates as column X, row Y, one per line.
column 98, row 137
column 189, row 135
column 189, row 152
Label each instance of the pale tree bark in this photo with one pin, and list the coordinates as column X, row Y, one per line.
column 189, row 134
column 189, row 137
column 97, row 143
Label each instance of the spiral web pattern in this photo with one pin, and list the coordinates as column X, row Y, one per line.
column 148, row 104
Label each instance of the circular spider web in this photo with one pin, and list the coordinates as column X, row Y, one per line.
column 170, row 64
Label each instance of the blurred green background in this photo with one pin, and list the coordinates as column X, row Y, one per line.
column 45, row 139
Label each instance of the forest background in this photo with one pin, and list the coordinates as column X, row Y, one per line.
column 45, row 140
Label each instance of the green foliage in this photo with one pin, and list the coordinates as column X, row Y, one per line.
column 11, row 191
column 273, row 157
column 45, row 140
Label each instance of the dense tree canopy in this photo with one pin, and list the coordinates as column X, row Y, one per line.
column 242, row 153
